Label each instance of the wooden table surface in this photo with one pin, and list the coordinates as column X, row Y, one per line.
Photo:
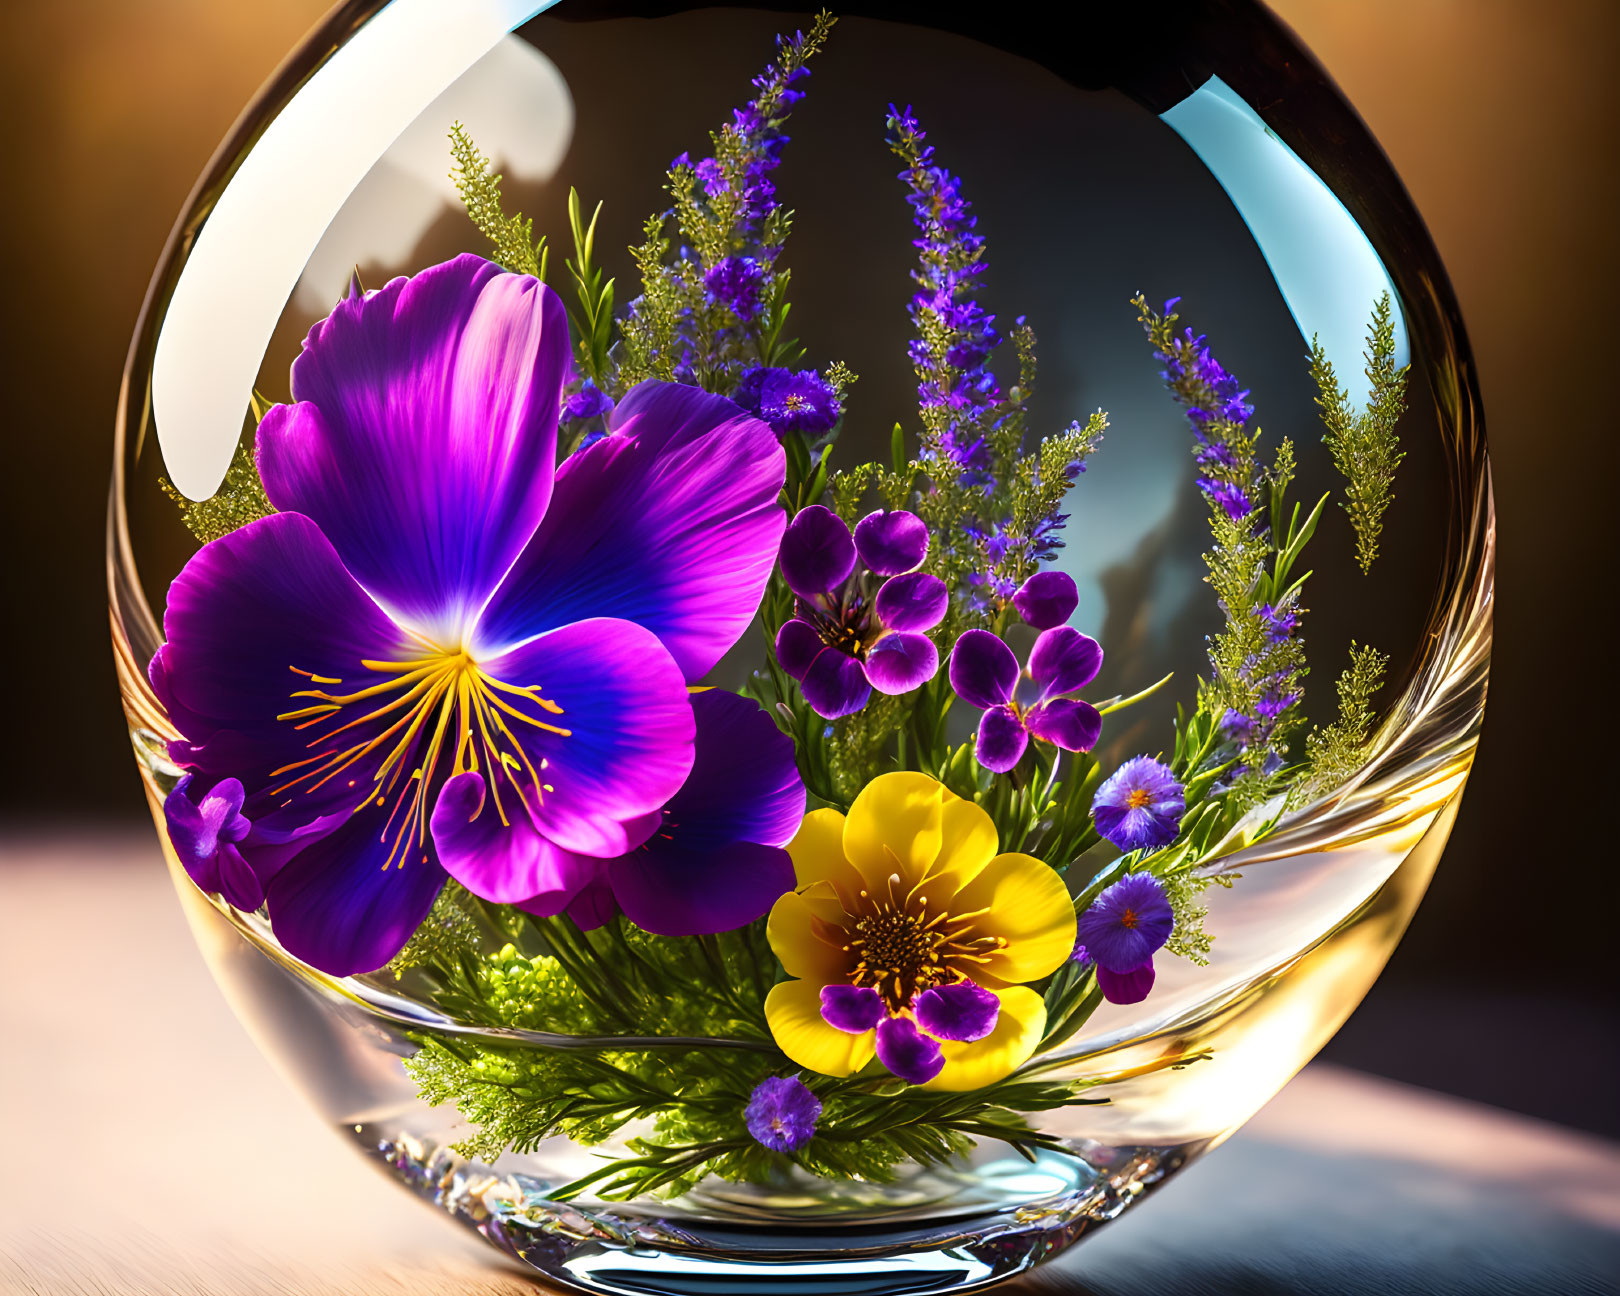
column 150, row 1149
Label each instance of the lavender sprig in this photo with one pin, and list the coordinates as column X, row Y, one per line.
column 996, row 508
column 1258, row 659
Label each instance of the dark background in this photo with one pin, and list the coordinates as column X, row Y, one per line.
column 1500, row 117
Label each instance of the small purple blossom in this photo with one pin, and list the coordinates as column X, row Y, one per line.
column 799, row 401
column 984, row 673
column 1122, row 930
column 736, row 281
column 205, row 829
column 1233, row 499
column 782, row 1113
column 1140, row 806
column 1280, row 623
column 590, row 401
column 789, row 400
column 860, row 608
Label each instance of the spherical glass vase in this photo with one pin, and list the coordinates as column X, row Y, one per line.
column 1193, row 151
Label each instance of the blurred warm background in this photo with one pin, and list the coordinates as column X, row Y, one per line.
column 1499, row 114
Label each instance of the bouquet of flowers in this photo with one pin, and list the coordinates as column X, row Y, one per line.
column 444, row 675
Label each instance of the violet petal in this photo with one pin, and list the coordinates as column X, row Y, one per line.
column 1064, row 722
column 797, row 645
column 911, row 1056
column 915, row 601
column 1001, row 739
column 672, row 522
column 1126, row 987
column 835, row 685
column 983, row 670
column 817, row 552
column 629, row 740
column 962, row 1011
column 1047, row 599
column 891, row 541
column 424, row 434
column 1064, row 661
column 673, row 890
column 898, row 663
column 852, row 1009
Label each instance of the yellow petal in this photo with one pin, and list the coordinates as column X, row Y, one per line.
column 817, row 851
column 1027, row 905
column 791, row 930
column 793, row 1010
column 1018, row 1030
column 894, row 826
column 967, row 843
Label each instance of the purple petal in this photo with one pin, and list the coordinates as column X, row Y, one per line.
column 672, row 522
column 670, row 890
column 898, row 663
column 744, row 784
column 914, row 1058
column 983, row 670
column 957, row 1012
column 852, row 1009
column 504, row 862
column 246, row 613
column 1047, row 599
column 1126, row 987
column 1063, row 661
column 591, row 908
column 1001, row 740
column 817, row 552
column 238, row 883
column 797, row 645
column 916, row 601
column 425, row 432
column 628, row 746
column 341, row 907
column 835, row 685
column 1063, row 722
column 891, row 542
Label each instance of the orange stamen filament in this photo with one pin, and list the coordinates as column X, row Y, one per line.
column 429, row 707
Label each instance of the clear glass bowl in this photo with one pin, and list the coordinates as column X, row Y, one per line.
column 1198, row 152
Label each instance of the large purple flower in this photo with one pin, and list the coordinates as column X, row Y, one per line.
column 858, row 626
column 984, row 673
column 442, row 655
column 714, row 858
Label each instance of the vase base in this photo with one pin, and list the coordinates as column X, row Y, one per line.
column 610, row 1250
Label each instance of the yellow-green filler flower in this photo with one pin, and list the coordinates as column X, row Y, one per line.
column 910, row 938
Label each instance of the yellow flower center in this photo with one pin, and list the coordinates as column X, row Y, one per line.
column 1138, row 798
column 900, row 949
column 437, row 710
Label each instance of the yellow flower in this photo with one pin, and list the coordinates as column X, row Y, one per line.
column 913, row 935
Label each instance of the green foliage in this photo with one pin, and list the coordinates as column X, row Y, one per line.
column 1335, row 753
column 240, row 498
column 511, row 237
column 591, row 311
column 1365, row 446
column 669, row 1033
column 448, row 934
